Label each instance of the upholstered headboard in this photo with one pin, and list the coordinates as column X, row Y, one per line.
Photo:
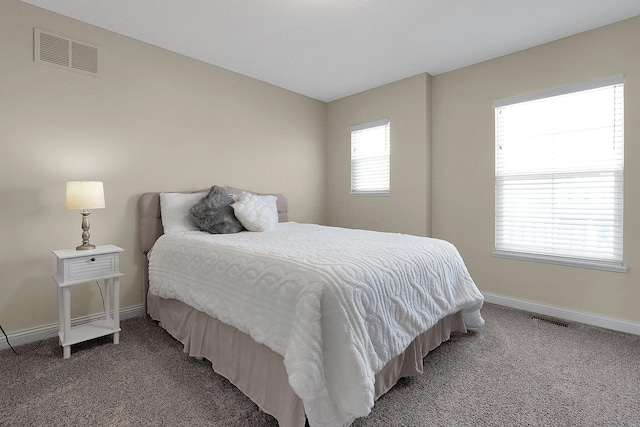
column 150, row 222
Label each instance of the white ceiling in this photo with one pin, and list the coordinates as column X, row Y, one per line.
column 328, row 49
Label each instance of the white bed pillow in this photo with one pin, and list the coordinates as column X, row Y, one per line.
column 174, row 209
column 256, row 213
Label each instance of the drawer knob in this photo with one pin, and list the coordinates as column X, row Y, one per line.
column 93, row 259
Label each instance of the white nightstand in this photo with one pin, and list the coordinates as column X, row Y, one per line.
column 77, row 267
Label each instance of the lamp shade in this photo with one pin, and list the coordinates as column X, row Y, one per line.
column 85, row 195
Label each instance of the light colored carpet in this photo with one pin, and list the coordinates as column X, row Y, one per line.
column 517, row 371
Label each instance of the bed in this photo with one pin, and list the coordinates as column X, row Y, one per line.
column 310, row 322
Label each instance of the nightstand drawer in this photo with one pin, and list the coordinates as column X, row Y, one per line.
column 91, row 266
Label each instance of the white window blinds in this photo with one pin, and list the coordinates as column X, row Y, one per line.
column 370, row 158
column 559, row 175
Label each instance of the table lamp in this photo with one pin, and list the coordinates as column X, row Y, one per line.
column 85, row 195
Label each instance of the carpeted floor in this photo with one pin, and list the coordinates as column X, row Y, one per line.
column 517, row 371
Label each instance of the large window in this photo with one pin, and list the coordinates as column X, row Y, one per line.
column 559, row 175
column 370, row 155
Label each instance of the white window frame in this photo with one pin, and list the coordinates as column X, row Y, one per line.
column 382, row 125
column 506, row 249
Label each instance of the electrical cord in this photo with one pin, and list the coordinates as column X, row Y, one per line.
column 5, row 335
column 31, row 349
column 104, row 310
column 47, row 335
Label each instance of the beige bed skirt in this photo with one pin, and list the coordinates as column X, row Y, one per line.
column 259, row 372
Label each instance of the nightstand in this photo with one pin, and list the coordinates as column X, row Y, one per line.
column 77, row 267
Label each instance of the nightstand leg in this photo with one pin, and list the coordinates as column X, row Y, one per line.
column 116, row 308
column 60, row 316
column 66, row 321
column 107, row 299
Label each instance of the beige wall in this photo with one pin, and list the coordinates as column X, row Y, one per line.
column 153, row 121
column 158, row 121
column 408, row 209
column 463, row 167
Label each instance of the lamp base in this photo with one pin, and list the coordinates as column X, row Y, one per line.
column 85, row 247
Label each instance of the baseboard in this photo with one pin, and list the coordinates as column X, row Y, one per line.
column 36, row 334
column 565, row 313
column 28, row 336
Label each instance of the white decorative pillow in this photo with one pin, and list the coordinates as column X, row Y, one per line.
column 174, row 209
column 256, row 213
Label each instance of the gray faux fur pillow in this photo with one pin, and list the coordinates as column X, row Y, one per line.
column 214, row 213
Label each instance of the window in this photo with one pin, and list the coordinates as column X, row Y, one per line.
column 370, row 153
column 559, row 175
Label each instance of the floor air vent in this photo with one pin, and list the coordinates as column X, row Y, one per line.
column 549, row 320
column 63, row 52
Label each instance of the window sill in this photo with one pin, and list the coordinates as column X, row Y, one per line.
column 562, row 261
column 370, row 193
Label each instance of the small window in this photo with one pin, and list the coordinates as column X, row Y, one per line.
column 370, row 155
column 559, row 175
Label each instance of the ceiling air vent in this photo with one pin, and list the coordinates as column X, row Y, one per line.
column 63, row 52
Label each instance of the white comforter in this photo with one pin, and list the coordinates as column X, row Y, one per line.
column 336, row 303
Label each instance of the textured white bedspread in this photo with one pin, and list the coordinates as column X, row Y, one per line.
column 336, row 303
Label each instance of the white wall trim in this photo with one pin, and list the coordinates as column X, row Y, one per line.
column 565, row 313
column 36, row 334
column 28, row 336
